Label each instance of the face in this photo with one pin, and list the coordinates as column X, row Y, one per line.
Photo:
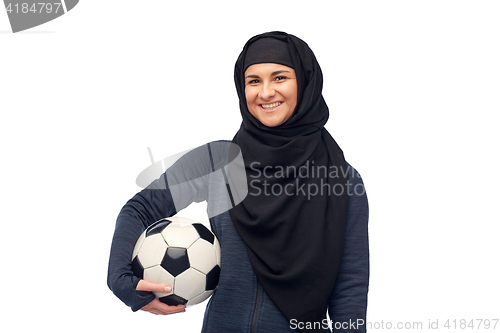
column 271, row 92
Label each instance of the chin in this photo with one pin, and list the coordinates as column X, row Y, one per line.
column 273, row 123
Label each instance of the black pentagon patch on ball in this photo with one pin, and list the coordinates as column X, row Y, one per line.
column 175, row 260
column 137, row 268
column 213, row 278
column 173, row 300
column 204, row 232
column 157, row 227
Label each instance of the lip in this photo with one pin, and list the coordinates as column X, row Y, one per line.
column 270, row 110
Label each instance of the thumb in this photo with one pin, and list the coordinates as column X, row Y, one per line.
column 144, row 285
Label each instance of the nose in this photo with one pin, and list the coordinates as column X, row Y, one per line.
column 267, row 91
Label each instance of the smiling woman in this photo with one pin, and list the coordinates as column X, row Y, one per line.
column 271, row 92
column 288, row 255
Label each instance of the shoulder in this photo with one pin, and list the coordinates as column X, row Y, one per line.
column 209, row 153
column 356, row 190
column 352, row 173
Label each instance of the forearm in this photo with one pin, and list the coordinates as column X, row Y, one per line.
column 142, row 210
column 348, row 302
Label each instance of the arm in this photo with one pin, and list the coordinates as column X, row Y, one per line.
column 348, row 302
column 142, row 210
column 184, row 182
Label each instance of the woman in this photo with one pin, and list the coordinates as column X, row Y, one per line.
column 297, row 246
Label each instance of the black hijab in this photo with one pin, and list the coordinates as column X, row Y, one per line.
column 293, row 218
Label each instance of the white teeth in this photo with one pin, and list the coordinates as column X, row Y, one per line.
column 270, row 106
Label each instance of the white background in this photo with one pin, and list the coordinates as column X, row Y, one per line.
column 413, row 90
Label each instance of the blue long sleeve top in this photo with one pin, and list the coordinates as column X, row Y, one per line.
column 240, row 304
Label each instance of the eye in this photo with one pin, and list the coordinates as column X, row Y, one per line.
column 280, row 78
column 254, row 81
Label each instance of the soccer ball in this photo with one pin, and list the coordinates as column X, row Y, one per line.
column 181, row 253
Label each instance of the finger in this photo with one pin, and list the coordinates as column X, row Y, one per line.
column 151, row 309
column 165, row 311
column 155, row 312
column 159, row 308
column 144, row 285
column 171, row 311
column 168, row 309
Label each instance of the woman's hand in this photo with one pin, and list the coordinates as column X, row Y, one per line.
column 155, row 306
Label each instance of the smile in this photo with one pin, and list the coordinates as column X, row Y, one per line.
column 271, row 106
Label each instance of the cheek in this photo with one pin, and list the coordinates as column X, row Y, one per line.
column 249, row 91
column 248, row 95
column 250, row 105
column 291, row 95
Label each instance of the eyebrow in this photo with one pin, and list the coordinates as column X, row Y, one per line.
column 253, row 76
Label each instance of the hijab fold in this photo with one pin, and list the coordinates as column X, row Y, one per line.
column 293, row 218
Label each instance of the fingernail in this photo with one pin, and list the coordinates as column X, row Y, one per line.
column 168, row 289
